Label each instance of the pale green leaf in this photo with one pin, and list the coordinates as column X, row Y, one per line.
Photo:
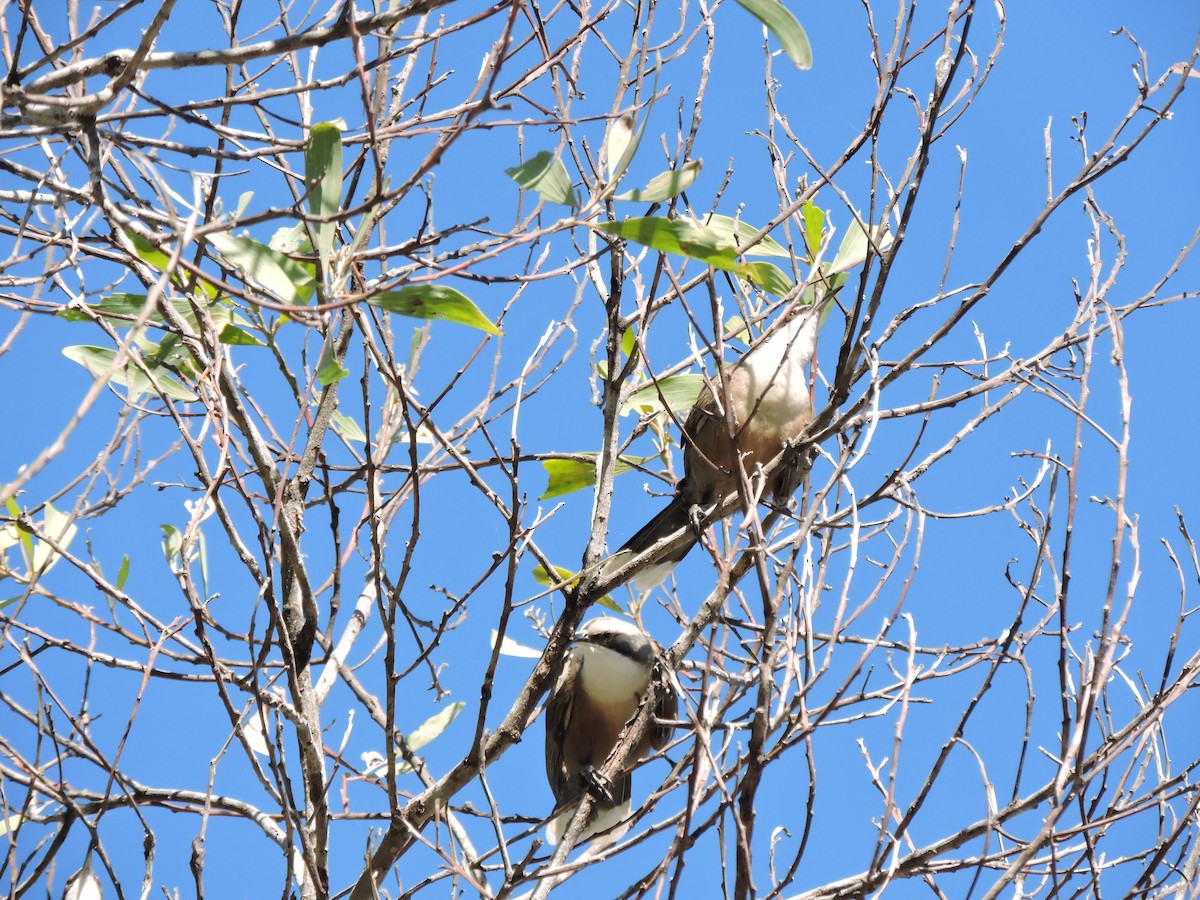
column 616, row 144
column 276, row 273
column 172, row 544
column 236, row 337
column 545, row 174
column 347, row 427
column 787, row 30
column 853, row 249
column 664, row 186
column 123, row 573
column 678, row 393
column 566, row 576
column 323, row 176
column 428, row 731
column 434, row 301
column 770, row 278
column 56, row 526
column 706, row 245
column 738, row 232
column 97, row 361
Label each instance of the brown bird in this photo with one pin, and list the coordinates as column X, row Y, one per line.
column 596, row 693
column 769, row 395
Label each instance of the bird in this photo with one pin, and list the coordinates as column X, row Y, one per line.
column 770, row 405
column 597, row 690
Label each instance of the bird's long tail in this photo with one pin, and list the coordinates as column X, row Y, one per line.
column 675, row 516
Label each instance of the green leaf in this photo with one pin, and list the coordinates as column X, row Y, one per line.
column 629, row 341
column 738, row 232
column 736, row 330
column 664, row 186
column 707, row 245
column 323, row 175
column 347, row 427
column 123, row 572
column 434, row 301
column 291, row 239
column 853, row 249
column 172, row 544
column 616, row 145
column 570, row 475
column 236, row 337
column 119, row 305
column 570, row 578
column 329, row 369
column 770, row 278
column 147, row 252
column 610, row 603
column 781, row 23
column 545, row 174
column 97, row 360
column 278, row 274
column 56, row 526
column 814, row 228
column 567, row 476
column 428, row 731
column 678, row 391
column 563, row 576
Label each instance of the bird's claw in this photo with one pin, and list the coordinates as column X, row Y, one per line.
column 597, row 785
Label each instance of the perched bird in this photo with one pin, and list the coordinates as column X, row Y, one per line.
column 596, row 693
column 770, row 405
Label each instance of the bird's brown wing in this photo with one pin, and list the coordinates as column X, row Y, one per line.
column 558, row 720
column 666, row 707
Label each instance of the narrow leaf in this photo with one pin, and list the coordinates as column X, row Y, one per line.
column 620, row 135
column 280, row 275
column 347, row 427
column 329, row 369
column 567, row 476
column 770, row 278
column 738, row 232
column 673, row 236
column 97, row 360
column 664, row 186
column 323, row 175
column 545, row 174
column 814, row 228
column 434, row 301
column 123, row 573
column 629, row 341
column 236, row 337
column 56, row 526
column 853, row 249
column 787, row 30
column 566, row 576
column 428, row 730
column 678, row 392
column 147, row 252
column 570, row 475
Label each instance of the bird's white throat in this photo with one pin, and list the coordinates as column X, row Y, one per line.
column 609, row 676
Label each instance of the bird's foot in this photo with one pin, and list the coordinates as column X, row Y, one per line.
column 597, row 785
